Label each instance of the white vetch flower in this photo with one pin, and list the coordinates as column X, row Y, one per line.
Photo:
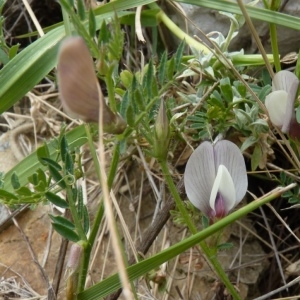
column 280, row 102
column 215, row 178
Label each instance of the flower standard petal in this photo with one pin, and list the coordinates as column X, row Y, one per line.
column 223, row 196
column 199, row 176
column 290, row 110
column 276, row 104
column 283, row 80
column 229, row 155
column 280, row 103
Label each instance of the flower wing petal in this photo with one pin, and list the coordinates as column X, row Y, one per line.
column 224, row 185
column 276, row 104
column 229, row 155
column 199, row 176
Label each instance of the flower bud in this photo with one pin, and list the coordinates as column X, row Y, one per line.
column 72, row 268
column 74, row 257
column 80, row 92
column 161, row 133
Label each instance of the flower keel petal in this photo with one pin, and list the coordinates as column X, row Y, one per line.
column 223, row 196
column 229, row 155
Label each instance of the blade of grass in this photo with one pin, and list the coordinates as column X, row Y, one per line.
column 254, row 12
column 32, row 64
column 112, row 283
column 28, row 67
column 77, row 137
column 255, row 36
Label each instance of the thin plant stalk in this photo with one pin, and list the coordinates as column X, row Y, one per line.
column 239, row 59
column 89, row 245
column 103, row 289
column 177, row 31
column 210, row 253
column 74, row 213
column 274, row 45
column 110, row 89
column 99, row 215
column 297, row 70
column 112, row 226
column 256, row 37
column 273, row 37
column 67, row 23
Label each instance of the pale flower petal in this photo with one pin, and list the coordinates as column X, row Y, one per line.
column 223, row 185
column 215, row 178
column 280, row 103
column 77, row 80
column 283, row 80
column 199, row 176
column 229, row 155
column 276, row 104
column 80, row 91
column 290, row 110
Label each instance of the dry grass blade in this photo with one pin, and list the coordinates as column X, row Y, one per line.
column 274, row 245
column 274, row 292
column 256, row 37
column 109, row 210
column 10, row 288
column 33, row 18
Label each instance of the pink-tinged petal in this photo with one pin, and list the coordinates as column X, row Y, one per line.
column 79, row 88
column 77, row 80
column 229, row 155
column 276, row 104
column 199, row 176
column 223, row 196
column 284, row 80
column 290, row 110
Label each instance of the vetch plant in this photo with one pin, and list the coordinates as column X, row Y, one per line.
column 280, row 102
column 215, row 178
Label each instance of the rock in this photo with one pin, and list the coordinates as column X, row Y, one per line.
column 15, row 258
column 209, row 20
column 16, row 263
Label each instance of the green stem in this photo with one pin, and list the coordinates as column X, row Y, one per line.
column 99, row 215
column 274, row 5
column 108, row 285
column 66, row 21
column 274, row 44
column 242, row 60
column 110, row 89
column 297, row 70
column 232, row 29
column 210, row 253
column 161, row 16
column 74, row 214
